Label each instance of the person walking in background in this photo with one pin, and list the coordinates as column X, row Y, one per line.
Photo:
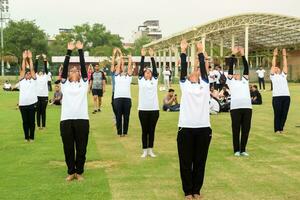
column 167, row 74
column 97, row 85
column 261, row 77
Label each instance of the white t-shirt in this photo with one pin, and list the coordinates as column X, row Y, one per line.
column 166, row 74
column 27, row 94
column 74, row 101
column 212, row 76
column 42, row 85
column 148, row 99
column 261, row 73
column 280, row 85
column 214, row 105
column 240, row 93
column 194, row 105
column 49, row 76
column 122, row 86
column 218, row 75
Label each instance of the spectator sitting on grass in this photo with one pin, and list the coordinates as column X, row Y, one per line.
column 57, row 96
column 170, row 102
column 7, row 86
column 255, row 96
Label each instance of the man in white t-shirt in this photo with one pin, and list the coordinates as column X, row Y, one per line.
column 261, row 77
column 167, row 74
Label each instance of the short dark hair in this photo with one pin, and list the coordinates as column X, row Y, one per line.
column 171, row 90
column 255, row 86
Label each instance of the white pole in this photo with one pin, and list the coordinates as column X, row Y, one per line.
column 246, row 41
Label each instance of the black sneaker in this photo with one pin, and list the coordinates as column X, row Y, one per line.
column 99, row 110
column 95, row 111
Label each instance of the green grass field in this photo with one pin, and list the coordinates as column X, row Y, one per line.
column 114, row 169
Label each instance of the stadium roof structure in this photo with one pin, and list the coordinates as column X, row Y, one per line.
column 260, row 31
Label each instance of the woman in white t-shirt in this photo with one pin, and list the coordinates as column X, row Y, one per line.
column 122, row 95
column 281, row 94
column 42, row 91
column 194, row 134
column 27, row 96
column 148, row 103
column 74, row 123
column 240, row 106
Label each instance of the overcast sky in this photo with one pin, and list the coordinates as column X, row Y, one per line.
column 124, row 16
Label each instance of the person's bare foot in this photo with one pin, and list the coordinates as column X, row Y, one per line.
column 70, row 177
column 198, row 197
column 79, row 177
column 188, row 197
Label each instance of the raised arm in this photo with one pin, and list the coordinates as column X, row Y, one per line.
column 183, row 73
column 23, row 66
column 129, row 70
column 29, row 55
column 275, row 53
column 201, row 59
column 112, row 67
column 36, row 63
column 245, row 63
column 79, row 46
column 45, row 64
column 154, row 68
column 65, row 69
column 284, row 60
column 141, row 71
column 231, row 62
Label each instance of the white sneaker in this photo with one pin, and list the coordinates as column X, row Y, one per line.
column 145, row 153
column 244, row 154
column 237, row 154
column 150, row 153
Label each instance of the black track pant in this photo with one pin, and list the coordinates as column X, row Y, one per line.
column 122, row 108
column 281, row 107
column 41, row 111
column 193, row 145
column 148, row 120
column 50, row 86
column 28, row 117
column 74, row 135
column 240, row 122
column 112, row 103
column 261, row 81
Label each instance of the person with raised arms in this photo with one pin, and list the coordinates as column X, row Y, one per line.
column 42, row 91
column 194, row 133
column 281, row 94
column 240, row 106
column 74, row 124
column 122, row 95
column 28, row 96
column 148, row 103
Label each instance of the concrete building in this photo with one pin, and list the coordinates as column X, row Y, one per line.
column 149, row 28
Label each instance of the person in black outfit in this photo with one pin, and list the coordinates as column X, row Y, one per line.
column 194, row 133
column 255, row 96
column 42, row 81
column 74, row 124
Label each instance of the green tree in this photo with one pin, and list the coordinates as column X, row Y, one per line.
column 97, row 40
column 138, row 45
column 21, row 35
